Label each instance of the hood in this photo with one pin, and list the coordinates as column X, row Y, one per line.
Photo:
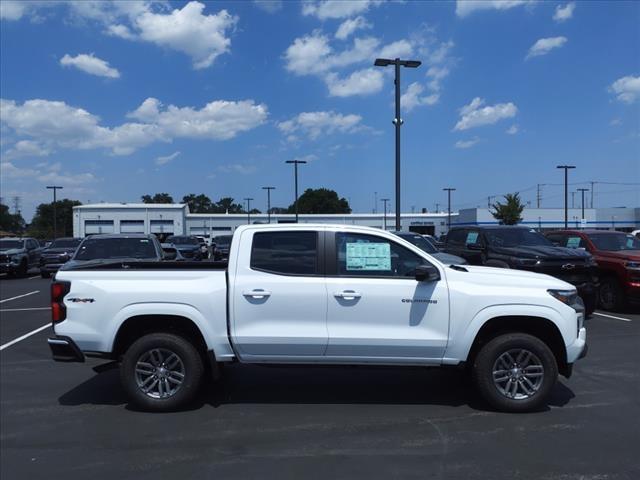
column 59, row 251
column 630, row 255
column 449, row 259
column 509, row 278
column 543, row 252
column 12, row 251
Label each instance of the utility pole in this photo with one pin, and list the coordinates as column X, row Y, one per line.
column 55, row 219
column 573, row 199
column 539, row 195
column 437, row 207
column 582, row 190
column 397, row 121
column 566, row 195
column 268, row 189
column 449, row 190
column 295, row 169
column 375, row 202
column 384, row 201
column 592, row 189
column 248, row 210
column 489, row 200
column 16, row 205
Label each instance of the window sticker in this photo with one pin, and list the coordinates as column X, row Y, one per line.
column 472, row 237
column 573, row 242
column 368, row 256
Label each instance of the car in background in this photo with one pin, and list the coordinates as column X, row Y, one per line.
column 171, row 252
column 431, row 239
column 522, row 248
column 57, row 254
column 618, row 257
column 18, row 255
column 426, row 246
column 636, row 233
column 188, row 245
column 221, row 251
column 107, row 248
column 204, row 248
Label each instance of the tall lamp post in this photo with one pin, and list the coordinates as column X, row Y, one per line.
column 295, row 169
column 448, row 190
column 55, row 217
column 384, row 221
column 582, row 190
column 566, row 192
column 397, row 121
column 248, row 209
column 268, row 189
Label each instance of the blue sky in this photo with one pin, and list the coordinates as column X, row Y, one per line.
column 116, row 100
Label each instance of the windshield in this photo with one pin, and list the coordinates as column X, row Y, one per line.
column 224, row 240
column 106, row 248
column 9, row 244
column 65, row 242
column 515, row 237
column 183, row 240
column 420, row 242
column 615, row 242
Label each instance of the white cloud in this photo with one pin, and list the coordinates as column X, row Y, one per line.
column 399, row 49
column 237, row 168
column 626, row 89
column 54, row 124
column 9, row 170
column 315, row 124
column 615, row 122
column 413, row 97
column 26, row 148
column 166, row 159
column 513, row 129
column 564, row 13
column 545, row 45
column 13, row 10
column 66, row 178
column 360, row 82
column 329, row 9
column 269, row 6
column 51, row 175
column 349, row 26
column 466, row 7
column 464, row 144
column 90, row 64
column 476, row 114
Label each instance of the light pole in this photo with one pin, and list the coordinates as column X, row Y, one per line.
column 384, row 201
column 55, row 218
column 566, row 194
column 449, row 190
column 295, row 169
column 582, row 190
column 385, row 62
column 249, row 210
column 268, row 189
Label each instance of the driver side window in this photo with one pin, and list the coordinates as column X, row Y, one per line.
column 371, row 256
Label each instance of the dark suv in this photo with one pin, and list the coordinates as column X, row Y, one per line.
column 57, row 254
column 523, row 248
column 18, row 255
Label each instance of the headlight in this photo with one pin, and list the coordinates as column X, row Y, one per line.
column 529, row 262
column 632, row 265
column 569, row 297
column 14, row 258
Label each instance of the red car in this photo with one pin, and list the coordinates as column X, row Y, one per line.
column 618, row 258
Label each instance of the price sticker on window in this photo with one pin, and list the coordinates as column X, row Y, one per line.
column 364, row 256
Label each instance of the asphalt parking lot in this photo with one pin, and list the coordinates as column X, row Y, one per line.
column 67, row 421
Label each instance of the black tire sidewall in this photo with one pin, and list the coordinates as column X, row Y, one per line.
column 483, row 371
column 619, row 296
column 191, row 360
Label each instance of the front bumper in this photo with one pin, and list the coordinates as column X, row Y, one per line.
column 578, row 349
column 64, row 349
column 9, row 267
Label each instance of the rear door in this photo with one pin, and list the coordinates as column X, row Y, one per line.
column 279, row 309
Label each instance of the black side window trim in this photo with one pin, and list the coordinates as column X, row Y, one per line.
column 320, row 259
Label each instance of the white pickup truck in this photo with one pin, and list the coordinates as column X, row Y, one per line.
column 318, row 294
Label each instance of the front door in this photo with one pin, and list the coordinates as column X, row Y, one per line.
column 377, row 310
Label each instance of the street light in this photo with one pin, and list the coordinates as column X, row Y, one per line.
column 55, row 218
column 248, row 210
column 268, row 189
column 295, row 168
column 566, row 199
column 397, row 121
column 449, row 190
column 384, row 221
column 582, row 190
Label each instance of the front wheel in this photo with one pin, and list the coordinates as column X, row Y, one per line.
column 515, row 372
column 611, row 296
column 161, row 372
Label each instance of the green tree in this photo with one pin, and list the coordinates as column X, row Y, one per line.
column 198, row 203
column 226, row 204
column 157, row 198
column 320, row 200
column 9, row 222
column 42, row 224
column 509, row 212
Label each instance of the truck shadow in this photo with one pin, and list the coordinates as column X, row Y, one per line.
column 253, row 384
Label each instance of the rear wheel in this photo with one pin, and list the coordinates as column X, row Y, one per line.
column 515, row 372
column 611, row 296
column 161, row 372
column 23, row 269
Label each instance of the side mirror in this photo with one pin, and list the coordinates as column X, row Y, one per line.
column 427, row 273
column 475, row 246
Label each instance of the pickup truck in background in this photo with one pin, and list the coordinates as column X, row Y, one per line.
column 18, row 255
column 318, row 294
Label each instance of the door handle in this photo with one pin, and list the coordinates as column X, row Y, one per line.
column 347, row 294
column 257, row 293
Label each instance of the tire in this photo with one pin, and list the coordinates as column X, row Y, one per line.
column 540, row 370
column 23, row 269
column 44, row 274
column 496, row 264
column 147, row 357
column 610, row 295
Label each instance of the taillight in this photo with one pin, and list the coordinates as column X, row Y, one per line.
column 58, row 309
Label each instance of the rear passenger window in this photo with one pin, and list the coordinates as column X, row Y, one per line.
column 574, row 242
column 472, row 237
column 287, row 253
column 457, row 236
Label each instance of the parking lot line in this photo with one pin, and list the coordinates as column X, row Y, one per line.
column 611, row 316
column 35, row 276
column 23, row 309
column 26, row 335
column 19, row 296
